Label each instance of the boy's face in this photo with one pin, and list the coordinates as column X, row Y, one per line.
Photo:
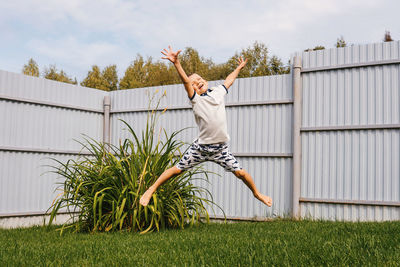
column 198, row 83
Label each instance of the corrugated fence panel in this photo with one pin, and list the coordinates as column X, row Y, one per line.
column 32, row 88
column 26, row 187
column 32, row 118
column 36, row 126
column 261, row 128
column 258, row 128
column 265, row 88
column 351, row 164
column 172, row 120
column 351, row 54
column 357, row 96
column 272, row 177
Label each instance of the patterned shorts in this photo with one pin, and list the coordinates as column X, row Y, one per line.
column 218, row 153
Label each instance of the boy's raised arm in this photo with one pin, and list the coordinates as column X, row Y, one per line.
column 231, row 77
column 173, row 57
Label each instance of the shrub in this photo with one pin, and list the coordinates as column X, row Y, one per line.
column 103, row 189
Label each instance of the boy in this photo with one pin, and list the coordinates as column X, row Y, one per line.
column 209, row 110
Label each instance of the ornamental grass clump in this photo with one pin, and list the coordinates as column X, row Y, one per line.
column 102, row 190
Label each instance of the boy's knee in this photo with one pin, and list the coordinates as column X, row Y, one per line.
column 175, row 170
column 240, row 173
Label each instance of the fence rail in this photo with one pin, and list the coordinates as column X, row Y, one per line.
column 47, row 103
column 352, row 202
column 252, row 103
column 43, row 150
column 351, row 127
column 350, row 66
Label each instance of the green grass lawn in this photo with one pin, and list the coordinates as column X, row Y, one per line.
column 279, row 242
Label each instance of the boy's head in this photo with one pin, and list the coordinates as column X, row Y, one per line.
column 198, row 83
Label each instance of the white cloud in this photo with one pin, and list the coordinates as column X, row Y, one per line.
column 84, row 32
column 72, row 51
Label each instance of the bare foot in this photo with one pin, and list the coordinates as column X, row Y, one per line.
column 264, row 199
column 144, row 200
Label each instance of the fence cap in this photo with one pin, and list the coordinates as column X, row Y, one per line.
column 107, row 100
column 297, row 62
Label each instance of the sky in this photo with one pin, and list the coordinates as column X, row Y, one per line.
column 74, row 35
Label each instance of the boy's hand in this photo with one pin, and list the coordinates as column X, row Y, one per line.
column 241, row 63
column 231, row 77
column 171, row 55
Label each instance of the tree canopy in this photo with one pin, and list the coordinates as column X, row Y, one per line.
column 341, row 42
column 106, row 80
column 51, row 73
column 31, row 68
column 148, row 72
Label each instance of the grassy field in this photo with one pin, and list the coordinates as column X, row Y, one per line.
column 278, row 242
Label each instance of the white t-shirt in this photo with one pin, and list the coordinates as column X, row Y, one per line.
column 209, row 113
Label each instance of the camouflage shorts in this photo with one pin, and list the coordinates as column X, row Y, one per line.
column 218, row 153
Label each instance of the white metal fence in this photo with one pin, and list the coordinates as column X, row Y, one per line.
column 351, row 133
column 39, row 120
column 347, row 164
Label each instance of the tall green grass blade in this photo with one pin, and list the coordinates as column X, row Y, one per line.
column 104, row 188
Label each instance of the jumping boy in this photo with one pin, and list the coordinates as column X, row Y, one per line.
column 209, row 111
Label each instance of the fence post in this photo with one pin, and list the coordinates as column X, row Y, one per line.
column 106, row 123
column 297, row 112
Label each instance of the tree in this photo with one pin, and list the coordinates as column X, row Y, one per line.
column 51, row 73
column 142, row 73
column 388, row 37
column 161, row 74
column 219, row 71
column 134, row 75
column 31, row 68
column 110, row 77
column 193, row 63
column 259, row 63
column 277, row 66
column 341, row 42
column 94, row 79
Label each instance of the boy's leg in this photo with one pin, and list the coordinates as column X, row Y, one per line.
column 226, row 160
column 191, row 158
column 246, row 178
column 167, row 174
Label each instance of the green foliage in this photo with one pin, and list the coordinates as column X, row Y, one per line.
column 276, row 66
column 134, row 74
column 94, row 79
column 259, row 63
column 31, row 68
column 51, row 73
column 318, row 47
column 143, row 73
column 106, row 80
column 105, row 188
column 192, row 62
column 341, row 42
column 148, row 72
column 110, row 77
